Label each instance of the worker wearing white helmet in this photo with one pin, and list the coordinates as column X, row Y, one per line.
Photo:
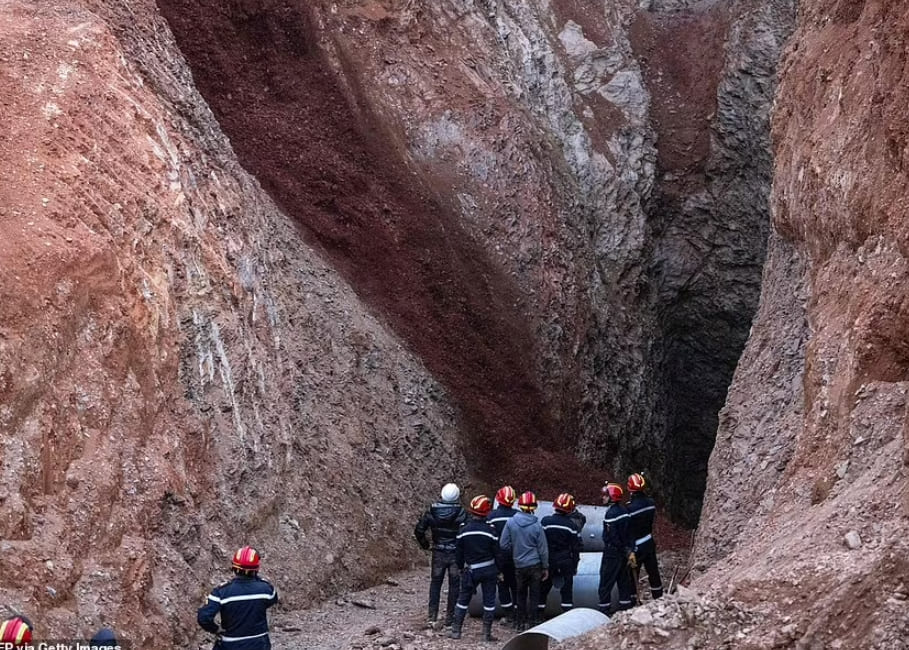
column 443, row 519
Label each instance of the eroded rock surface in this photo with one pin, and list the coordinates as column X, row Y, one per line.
column 179, row 373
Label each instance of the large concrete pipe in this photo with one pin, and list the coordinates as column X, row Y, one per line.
column 587, row 580
column 574, row 623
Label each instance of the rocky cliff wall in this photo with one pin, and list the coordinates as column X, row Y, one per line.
column 807, row 505
column 179, row 373
column 528, row 142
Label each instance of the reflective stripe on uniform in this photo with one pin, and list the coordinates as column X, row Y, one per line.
column 243, row 638
column 645, row 509
column 497, row 519
column 645, row 538
column 234, row 599
column 557, row 527
column 467, row 533
column 609, row 521
column 480, row 565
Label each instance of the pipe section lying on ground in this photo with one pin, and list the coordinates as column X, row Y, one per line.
column 586, row 589
column 573, row 623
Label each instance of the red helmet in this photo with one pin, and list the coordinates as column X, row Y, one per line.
column 506, row 495
column 636, row 483
column 480, row 506
column 16, row 630
column 528, row 502
column 564, row 503
column 613, row 491
column 246, row 559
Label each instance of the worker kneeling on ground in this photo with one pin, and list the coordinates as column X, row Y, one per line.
column 641, row 513
column 242, row 604
column 477, row 555
column 564, row 541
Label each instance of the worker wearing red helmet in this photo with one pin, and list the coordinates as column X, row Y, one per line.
column 564, row 540
column 505, row 497
column 618, row 550
column 524, row 538
column 16, row 631
column 242, row 604
column 641, row 513
column 477, row 555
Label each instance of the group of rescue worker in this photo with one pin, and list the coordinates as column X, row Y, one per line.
column 504, row 551
column 511, row 553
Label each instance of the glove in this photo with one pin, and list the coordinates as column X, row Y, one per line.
column 632, row 560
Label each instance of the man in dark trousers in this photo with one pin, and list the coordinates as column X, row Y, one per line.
column 524, row 538
column 564, row 541
column 242, row 604
column 477, row 554
column 444, row 520
column 618, row 552
column 505, row 497
column 641, row 512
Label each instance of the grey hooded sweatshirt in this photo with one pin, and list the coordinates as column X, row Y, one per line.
column 524, row 538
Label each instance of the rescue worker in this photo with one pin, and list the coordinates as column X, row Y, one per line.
column 505, row 497
column 524, row 538
column 16, row 630
column 618, row 552
column 242, row 604
column 564, row 541
column 444, row 519
column 477, row 555
column 641, row 512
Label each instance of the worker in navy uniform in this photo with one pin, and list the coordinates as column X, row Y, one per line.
column 444, row 520
column 564, row 540
column 641, row 512
column 618, row 550
column 505, row 497
column 478, row 557
column 242, row 604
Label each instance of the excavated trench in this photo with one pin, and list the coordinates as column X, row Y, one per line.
column 328, row 159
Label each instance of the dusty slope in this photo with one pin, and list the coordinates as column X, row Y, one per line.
column 173, row 360
column 813, row 442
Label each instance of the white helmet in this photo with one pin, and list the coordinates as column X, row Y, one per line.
column 450, row 493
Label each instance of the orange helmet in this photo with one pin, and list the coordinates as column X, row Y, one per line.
column 480, row 506
column 636, row 483
column 564, row 503
column 246, row 559
column 506, row 495
column 16, row 630
column 528, row 502
column 613, row 491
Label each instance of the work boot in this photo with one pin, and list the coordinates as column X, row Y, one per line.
column 432, row 615
column 449, row 619
column 487, row 631
column 456, row 623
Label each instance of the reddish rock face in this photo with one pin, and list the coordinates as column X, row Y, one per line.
column 177, row 368
column 811, row 451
